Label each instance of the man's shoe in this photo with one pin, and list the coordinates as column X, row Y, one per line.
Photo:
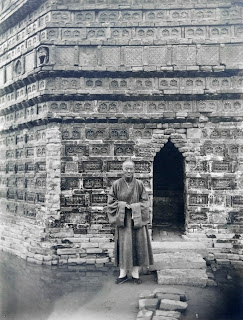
column 121, row 280
column 136, row 280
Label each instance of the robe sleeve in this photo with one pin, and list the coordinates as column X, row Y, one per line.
column 140, row 209
column 115, row 209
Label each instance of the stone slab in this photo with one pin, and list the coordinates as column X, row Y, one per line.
column 170, row 296
column 190, row 277
column 146, row 295
column 178, row 260
column 166, row 289
column 168, row 314
column 145, row 315
column 167, row 304
column 179, row 246
column 164, row 318
column 171, row 291
column 148, row 304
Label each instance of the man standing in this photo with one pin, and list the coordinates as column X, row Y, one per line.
column 128, row 210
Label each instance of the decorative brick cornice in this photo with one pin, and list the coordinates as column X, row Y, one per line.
column 18, row 11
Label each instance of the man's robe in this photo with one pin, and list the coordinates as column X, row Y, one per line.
column 132, row 242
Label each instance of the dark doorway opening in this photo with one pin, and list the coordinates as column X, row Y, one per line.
column 168, row 190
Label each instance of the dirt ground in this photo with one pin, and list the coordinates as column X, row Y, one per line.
column 32, row 292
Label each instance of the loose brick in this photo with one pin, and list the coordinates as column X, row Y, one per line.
column 148, row 304
column 172, row 305
column 145, row 315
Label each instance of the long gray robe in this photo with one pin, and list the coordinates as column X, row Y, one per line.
column 132, row 242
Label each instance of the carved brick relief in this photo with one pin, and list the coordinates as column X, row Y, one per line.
column 195, row 85
column 223, row 184
column 61, row 17
column 237, row 201
column 73, row 133
column 220, row 166
column 65, row 56
column 158, row 56
column 118, row 84
column 70, row 183
column 195, row 32
column 50, row 34
column 207, row 106
column 213, row 149
column 99, row 217
column 184, row 55
column 230, row 13
column 88, row 56
column 143, row 134
column 140, row 166
column 134, row 56
column 107, row 107
column 108, row 16
column 18, row 67
column 168, row 85
column 219, row 32
column 225, row 133
column 71, row 167
column 197, row 166
column 111, row 56
column 132, row 107
column 198, row 200
column 96, row 33
column 200, row 183
column 232, row 54
column 123, row 150
column 99, row 150
column 99, row 199
column 76, row 200
column 82, row 17
column 92, row 165
column 93, row 183
column 131, row 15
column 208, row 55
column 114, row 166
column 82, row 106
column 73, row 33
column 29, row 211
column 121, row 33
column 25, row 186
column 74, row 150
column 43, row 55
column 118, row 134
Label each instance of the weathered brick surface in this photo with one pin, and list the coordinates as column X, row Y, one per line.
column 148, row 304
column 163, row 70
column 145, row 315
column 169, row 296
column 169, row 314
column 167, row 304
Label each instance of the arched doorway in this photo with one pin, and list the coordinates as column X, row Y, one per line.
column 168, row 190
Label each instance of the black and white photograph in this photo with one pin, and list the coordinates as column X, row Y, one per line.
column 121, row 159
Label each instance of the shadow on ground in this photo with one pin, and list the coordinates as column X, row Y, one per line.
column 33, row 292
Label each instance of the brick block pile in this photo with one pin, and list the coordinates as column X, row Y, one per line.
column 165, row 303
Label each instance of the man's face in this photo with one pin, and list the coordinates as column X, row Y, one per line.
column 128, row 170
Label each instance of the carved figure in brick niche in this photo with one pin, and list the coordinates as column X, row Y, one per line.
column 43, row 55
column 128, row 210
column 18, row 68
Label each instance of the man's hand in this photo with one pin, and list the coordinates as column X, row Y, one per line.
column 128, row 206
